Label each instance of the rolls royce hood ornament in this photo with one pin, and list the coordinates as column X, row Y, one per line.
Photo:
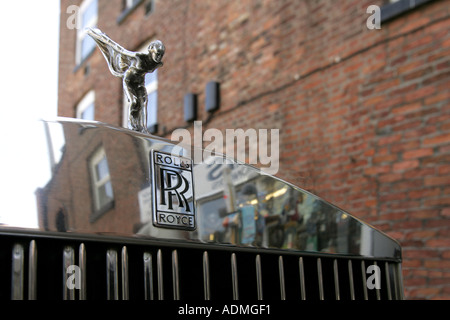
column 132, row 68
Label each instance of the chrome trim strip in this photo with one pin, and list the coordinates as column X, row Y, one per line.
column 336, row 279
column 206, row 288
column 17, row 272
column 175, row 276
column 68, row 260
column 351, row 282
column 32, row 270
column 112, row 282
column 319, row 273
column 302, row 278
column 125, row 288
column 159, row 272
column 234, row 277
column 282, row 283
column 82, row 265
column 259, row 288
column 364, row 279
column 148, row 276
column 388, row 280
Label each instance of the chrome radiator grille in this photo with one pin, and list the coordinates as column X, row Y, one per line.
column 42, row 267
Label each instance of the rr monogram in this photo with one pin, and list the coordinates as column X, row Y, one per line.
column 173, row 192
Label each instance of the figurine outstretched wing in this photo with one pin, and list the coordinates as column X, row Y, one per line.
column 118, row 58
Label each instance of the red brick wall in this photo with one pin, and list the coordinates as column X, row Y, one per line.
column 364, row 115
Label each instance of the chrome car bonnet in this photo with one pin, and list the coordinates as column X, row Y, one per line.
column 88, row 178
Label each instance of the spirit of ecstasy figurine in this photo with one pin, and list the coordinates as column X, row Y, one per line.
column 132, row 68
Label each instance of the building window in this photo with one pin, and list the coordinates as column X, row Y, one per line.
column 86, row 107
column 151, row 84
column 87, row 16
column 395, row 8
column 149, row 7
column 103, row 195
column 128, row 7
column 128, row 4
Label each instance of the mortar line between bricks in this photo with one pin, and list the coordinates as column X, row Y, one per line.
column 312, row 72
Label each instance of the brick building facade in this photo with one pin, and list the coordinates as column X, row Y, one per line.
column 364, row 114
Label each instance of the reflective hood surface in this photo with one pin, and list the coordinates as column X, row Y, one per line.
column 91, row 178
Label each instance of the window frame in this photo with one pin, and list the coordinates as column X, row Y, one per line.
column 128, row 8
column 81, row 34
column 98, row 207
column 87, row 100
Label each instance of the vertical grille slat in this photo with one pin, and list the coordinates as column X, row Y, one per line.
column 68, row 261
column 148, row 276
column 377, row 291
column 320, row 279
column 351, row 281
column 259, row 288
column 175, row 276
column 336, row 280
column 282, row 283
column 388, row 281
column 302, row 278
column 234, row 277
column 206, row 281
column 17, row 272
column 159, row 272
column 125, row 280
column 139, row 270
column 112, row 282
column 82, row 265
column 399, row 281
column 364, row 280
column 32, row 271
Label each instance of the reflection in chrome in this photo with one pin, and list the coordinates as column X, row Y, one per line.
column 17, row 272
column 148, row 276
column 32, row 269
column 206, row 285
column 282, row 283
column 261, row 211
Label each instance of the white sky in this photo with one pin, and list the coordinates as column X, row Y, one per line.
column 29, row 65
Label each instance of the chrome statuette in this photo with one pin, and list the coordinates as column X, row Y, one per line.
column 132, row 68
